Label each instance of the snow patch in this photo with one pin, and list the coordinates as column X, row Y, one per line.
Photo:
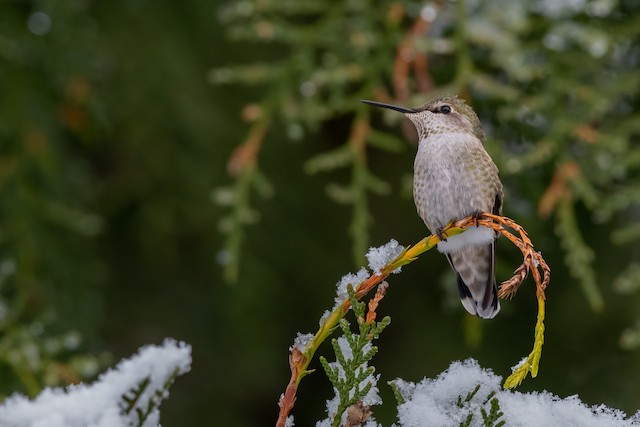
column 301, row 341
column 436, row 402
column 352, row 279
column 100, row 404
column 383, row 255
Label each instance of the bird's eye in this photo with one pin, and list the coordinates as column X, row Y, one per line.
column 445, row 109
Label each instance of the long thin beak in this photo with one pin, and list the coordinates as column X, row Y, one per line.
column 389, row 106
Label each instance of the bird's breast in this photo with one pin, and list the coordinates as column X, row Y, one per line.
column 452, row 179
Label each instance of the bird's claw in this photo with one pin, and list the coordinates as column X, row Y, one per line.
column 476, row 217
column 441, row 235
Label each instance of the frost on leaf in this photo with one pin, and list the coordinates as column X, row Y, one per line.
column 520, row 364
column 371, row 398
column 383, row 255
column 324, row 317
column 349, row 279
column 301, row 342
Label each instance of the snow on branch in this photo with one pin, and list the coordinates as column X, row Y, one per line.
column 388, row 259
column 466, row 394
column 128, row 395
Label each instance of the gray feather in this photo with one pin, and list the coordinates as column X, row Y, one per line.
column 474, row 267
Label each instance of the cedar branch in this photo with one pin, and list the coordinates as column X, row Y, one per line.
column 533, row 262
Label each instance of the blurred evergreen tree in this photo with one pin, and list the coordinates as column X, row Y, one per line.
column 51, row 113
column 559, row 89
column 554, row 82
column 116, row 120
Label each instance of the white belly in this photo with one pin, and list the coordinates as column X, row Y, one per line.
column 472, row 237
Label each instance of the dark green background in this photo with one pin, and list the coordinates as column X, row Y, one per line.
column 112, row 141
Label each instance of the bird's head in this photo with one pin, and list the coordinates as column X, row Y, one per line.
column 446, row 114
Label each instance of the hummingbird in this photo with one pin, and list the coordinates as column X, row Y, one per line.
column 455, row 177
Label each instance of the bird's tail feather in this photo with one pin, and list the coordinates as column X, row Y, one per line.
column 474, row 267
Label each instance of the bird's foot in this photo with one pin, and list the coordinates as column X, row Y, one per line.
column 476, row 216
column 441, row 234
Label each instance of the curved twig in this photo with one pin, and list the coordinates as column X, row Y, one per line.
column 300, row 358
